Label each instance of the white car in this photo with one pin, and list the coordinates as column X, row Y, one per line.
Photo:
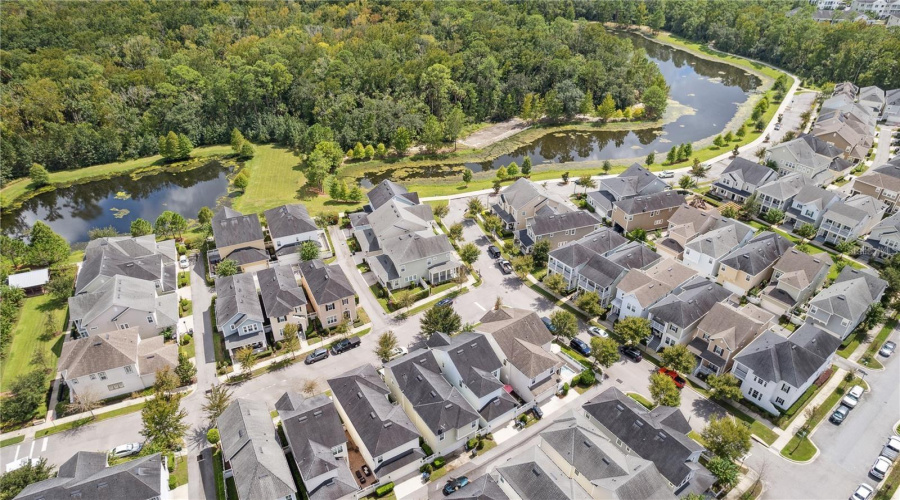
column 22, row 462
column 666, row 174
column 863, row 492
column 853, row 396
column 597, row 332
column 880, row 468
column 183, row 262
column 397, row 352
column 126, row 450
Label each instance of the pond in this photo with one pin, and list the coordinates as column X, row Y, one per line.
column 72, row 211
column 711, row 91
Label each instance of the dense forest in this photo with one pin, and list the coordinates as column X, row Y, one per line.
column 93, row 82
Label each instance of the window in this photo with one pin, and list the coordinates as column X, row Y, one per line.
column 149, row 319
column 332, row 320
column 654, row 212
column 128, row 369
column 252, row 327
column 102, row 375
column 281, row 319
column 402, row 269
column 813, row 309
column 93, row 377
column 779, row 401
column 718, row 350
column 747, row 278
column 560, row 244
column 785, row 388
column 123, row 326
column 346, row 314
column 755, row 394
column 113, row 387
column 629, row 217
column 329, row 307
column 345, row 302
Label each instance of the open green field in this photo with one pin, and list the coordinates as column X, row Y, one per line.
column 28, row 336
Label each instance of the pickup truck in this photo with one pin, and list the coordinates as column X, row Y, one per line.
column 891, row 450
column 345, row 345
column 672, row 374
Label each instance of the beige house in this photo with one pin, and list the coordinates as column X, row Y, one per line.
column 331, row 296
column 882, row 183
column 640, row 288
column 239, row 238
column 751, row 265
column 524, row 200
column 648, row 212
column 723, row 332
column 559, row 229
column 795, row 278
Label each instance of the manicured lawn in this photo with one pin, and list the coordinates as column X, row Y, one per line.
column 883, row 334
column 28, row 336
column 798, row 449
column 763, row 432
column 188, row 349
column 181, row 471
column 11, row 441
column 565, row 305
column 642, row 400
column 89, row 420
column 429, row 304
column 219, row 474
column 232, row 489
column 756, row 427
column 578, row 357
column 381, row 297
column 849, row 346
column 798, row 405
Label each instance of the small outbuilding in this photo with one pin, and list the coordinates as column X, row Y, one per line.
column 32, row 282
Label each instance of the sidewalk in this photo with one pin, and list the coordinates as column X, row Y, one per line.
column 800, row 420
column 746, row 483
column 860, row 351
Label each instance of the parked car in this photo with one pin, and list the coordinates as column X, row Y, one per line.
column 672, row 374
column 493, row 251
column 548, row 324
column 444, row 302
column 505, row 266
column 666, row 174
column 887, row 349
column 597, row 332
column 891, row 450
column 22, row 462
column 853, row 396
column 632, row 353
column 537, row 412
column 455, row 484
column 580, row 346
column 777, row 126
column 397, row 352
column 317, row 355
column 839, row 415
column 126, row 450
column 880, row 467
column 183, row 262
column 345, row 345
column 863, row 492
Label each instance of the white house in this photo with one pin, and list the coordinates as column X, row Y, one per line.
column 291, row 225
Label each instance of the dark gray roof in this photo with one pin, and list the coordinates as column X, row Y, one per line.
column 599, row 242
column 758, row 254
column 602, row 271
column 280, row 291
column 519, row 193
column 648, row 203
column 794, row 360
column 689, row 303
column 231, row 228
column 116, row 349
column 475, row 360
column 851, row 294
column 634, row 255
column 483, row 488
column 534, row 476
column 440, row 405
column 546, row 224
column 635, row 180
column 750, row 172
column 142, row 258
column 250, row 446
column 386, row 190
column 363, row 396
column 126, row 293
column 288, row 220
column 87, row 473
column 785, row 187
column 659, row 436
column 237, row 295
column 248, row 255
column 412, row 246
column 328, row 283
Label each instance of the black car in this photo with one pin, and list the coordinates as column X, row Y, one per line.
column 632, row 353
column 494, row 252
column 455, row 484
column 537, row 412
column 345, row 345
column 317, row 355
column 580, row 346
column 444, row 302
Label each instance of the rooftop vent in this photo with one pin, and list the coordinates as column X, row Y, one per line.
column 372, row 415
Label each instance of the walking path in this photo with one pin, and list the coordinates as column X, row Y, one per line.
column 495, row 133
column 817, row 400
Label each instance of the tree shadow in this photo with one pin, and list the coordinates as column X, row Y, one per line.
column 197, row 436
column 542, row 304
column 706, row 409
column 512, row 282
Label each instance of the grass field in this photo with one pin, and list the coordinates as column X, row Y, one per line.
column 28, row 337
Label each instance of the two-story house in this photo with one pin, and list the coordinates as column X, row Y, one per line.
column 559, row 229
column 387, row 439
column 882, row 183
column 291, row 225
column 523, row 200
column 239, row 238
column 884, row 240
column 809, row 156
column 139, row 257
column 640, row 289
column 634, row 181
column 841, row 307
column 775, row 371
column 779, row 193
column 674, row 318
column 444, row 418
column 741, row 179
column 796, row 276
column 123, row 302
column 705, row 251
column 566, row 261
column 751, row 265
column 647, row 212
column 872, row 97
column 809, row 206
column 850, row 219
column 114, row 364
column 239, row 314
column 843, row 131
column 688, row 221
column 521, row 340
column 283, row 300
column 318, row 445
column 723, row 332
column 386, row 191
column 331, row 296
column 891, row 113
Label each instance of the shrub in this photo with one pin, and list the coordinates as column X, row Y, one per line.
column 172, row 483
column 471, row 443
column 576, row 380
column 565, row 389
column 587, row 377
column 426, row 468
column 439, row 462
column 425, row 448
column 384, row 490
column 523, row 418
column 170, row 463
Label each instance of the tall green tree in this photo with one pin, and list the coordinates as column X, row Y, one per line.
column 565, row 324
column 227, row 267
column 12, row 483
column 678, row 358
column 441, row 319
column 726, row 437
column 633, row 329
column 237, row 140
column 385, row 345
column 605, row 351
column 217, row 400
column 401, row 140
column 45, row 247
column 39, row 175
column 454, row 123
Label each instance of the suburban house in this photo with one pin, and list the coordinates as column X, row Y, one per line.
column 741, row 179
column 640, row 288
column 387, row 439
column 283, row 300
column 647, row 212
column 387, row 190
column 252, row 454
column 850, row 219
column 841, row 307
column 687, row 222
column 884, row 240
column 123, row 302
column 634, row 181
column 751, row 265
column 88, row 475
column 567, row 260
column 522, row 341
column 523, row 200
column 809, row 205
column 847, row 88
column 891, row 113
column 705, row 251
column 289, row 226
column 573, row 460
column 723, row 332
column 318, row 445
column 469, row 363
column 873, row 97
column 239, row 238
column 560, row 229
column 882, row 183
column 239, row 314
column 331, row 296
column 140, row 257
column 779, row 193
column 674, row 317
column 114, row 364
column 881, row 8
column 843, row 131
column 659, row 435
column 796, row 276
column 809, row 156
column 775, row 371
column 444, row 418
column 601, row 275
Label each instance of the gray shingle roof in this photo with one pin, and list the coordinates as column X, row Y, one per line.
column 519, row 193
column 127, row 293
column 116, row 349
column 634, row 255
column 547, row 224
column 635, row 180
column 785, row 187
column 886, row 176
column 250, row 446
column 141, row 258
column 851, row 294
column 793, row 360
column 474, row 359
column 815, row 196
column 412, row 247
column 748, row 171
column 602, row 271
column 599, row 242
column 280, row 291
column 328, row 283
column 689, row 302
column 758, row 254
column 288, row 220
column 520, row 334
column 800, row 269
column 718, row 242
column 387, row 190
column 87, row 473
column 483, row 488
column 534, row 476
column 231, row 228
column 237, row 295
column 648, row 203
column 855, row 209
column 654, row 283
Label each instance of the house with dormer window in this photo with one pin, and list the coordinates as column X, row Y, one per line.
column 740, row 179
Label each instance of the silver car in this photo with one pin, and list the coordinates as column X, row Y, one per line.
column 880, row 468
column 126, row 450
column 887, row 349
column 853, row 396
column 863, row 492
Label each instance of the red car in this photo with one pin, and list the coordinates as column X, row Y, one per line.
column 672, row 374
